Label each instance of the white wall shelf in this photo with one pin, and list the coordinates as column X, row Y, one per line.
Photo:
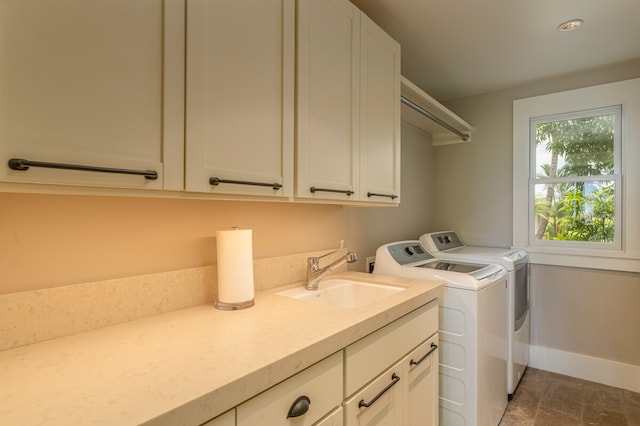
column 441, row 135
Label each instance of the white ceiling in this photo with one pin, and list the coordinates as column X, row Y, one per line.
column 457, row 48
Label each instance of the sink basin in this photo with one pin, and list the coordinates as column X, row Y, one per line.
column 342, row 293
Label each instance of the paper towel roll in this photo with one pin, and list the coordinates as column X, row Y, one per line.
column 235, row 269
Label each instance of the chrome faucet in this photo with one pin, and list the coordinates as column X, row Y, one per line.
column 315, row 274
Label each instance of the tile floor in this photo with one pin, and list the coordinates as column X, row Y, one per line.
column 544, row 398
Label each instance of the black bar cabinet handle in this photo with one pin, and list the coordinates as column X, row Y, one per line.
column 218, row 181
column 22, row 164
column 373, row 194
column 395, row 379
column 313, row 190
column 433, row 348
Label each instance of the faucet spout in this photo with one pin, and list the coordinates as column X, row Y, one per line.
column 315, row 273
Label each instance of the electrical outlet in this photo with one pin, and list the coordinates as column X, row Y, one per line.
column 371, row 261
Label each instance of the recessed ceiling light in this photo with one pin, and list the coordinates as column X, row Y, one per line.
column 570, row 25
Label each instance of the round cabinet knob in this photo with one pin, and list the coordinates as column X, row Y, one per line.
column 299, row 407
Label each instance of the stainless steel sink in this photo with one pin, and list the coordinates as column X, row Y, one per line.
column 342, row 293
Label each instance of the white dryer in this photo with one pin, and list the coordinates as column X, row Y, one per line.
column 448, row 245
column 472, row 331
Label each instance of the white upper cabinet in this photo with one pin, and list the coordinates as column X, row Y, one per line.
column 200, row 96
column 82, row 87
column 379, row 115
column 348, row 139
column 328, row 100
column 240, row 94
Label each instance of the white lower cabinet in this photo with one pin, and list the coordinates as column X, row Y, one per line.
column 373, row 354
column 301, row 400
column 406, row 394
column 388, row 378
column 391, row 375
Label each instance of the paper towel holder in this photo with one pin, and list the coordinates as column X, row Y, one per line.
column 234, row 306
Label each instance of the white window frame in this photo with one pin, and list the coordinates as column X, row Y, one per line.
column 615, row 177
column 624, row 254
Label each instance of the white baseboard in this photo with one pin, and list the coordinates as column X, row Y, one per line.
column 599, row 370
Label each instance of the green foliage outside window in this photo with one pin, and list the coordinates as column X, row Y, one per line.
column 568, row 206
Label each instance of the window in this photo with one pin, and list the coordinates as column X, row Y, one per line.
column 576, row 188
column 575, row 179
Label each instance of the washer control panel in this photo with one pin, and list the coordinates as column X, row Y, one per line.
column 441, row 241
column 408, row 252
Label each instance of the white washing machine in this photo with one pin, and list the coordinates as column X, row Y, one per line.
column 472, row 331
column 448, row 245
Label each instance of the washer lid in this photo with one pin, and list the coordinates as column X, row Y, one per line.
column 478, row 271
column 412, row 255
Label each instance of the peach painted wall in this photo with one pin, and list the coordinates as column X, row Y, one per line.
column 53, row 240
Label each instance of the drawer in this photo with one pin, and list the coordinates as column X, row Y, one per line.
column 376, row 352
column 321, row 384
column 226, row 419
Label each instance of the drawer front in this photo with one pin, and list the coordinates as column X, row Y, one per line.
column 374, row 353
column 226, row 419
column 321, row 384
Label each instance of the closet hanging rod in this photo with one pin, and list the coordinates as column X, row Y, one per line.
column 465, row 137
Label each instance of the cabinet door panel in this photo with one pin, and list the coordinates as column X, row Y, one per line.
column 239, row 121
column 82, row 84
column 379, row 114
column 328, row 100
column 421, row 371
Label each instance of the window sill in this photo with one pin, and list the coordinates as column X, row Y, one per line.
column 617, row 261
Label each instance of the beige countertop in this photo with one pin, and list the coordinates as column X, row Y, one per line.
column 187, row 366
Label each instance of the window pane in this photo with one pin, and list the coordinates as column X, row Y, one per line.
column 575, row 211
column 581, row 146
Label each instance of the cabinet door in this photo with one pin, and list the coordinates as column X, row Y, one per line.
column 379, row 115
column 240, row 84
column 82, row 85
column 380, row 402
column 328, row 100
column 420, row 368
